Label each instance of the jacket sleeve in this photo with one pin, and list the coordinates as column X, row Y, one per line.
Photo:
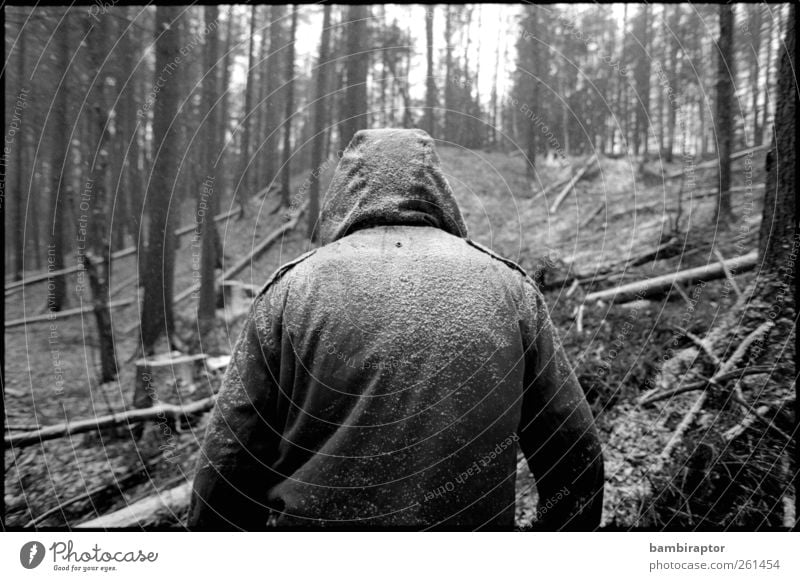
column 557, row 432
column 233, row 475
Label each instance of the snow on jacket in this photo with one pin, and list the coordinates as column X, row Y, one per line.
column 387, row 378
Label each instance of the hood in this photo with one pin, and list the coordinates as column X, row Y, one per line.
column 389, row 177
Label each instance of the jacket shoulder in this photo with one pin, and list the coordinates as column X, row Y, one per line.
column 282, row 270
column 509, row 263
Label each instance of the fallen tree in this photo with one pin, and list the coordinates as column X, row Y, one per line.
column 571, row 183
column 257, row 251
column 145, row 511
column 130, row 417
column 715, row 162
column 661, row 284
column 52, row 316
column 17, row 286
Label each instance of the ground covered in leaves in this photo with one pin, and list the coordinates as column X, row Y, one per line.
column 619, row 212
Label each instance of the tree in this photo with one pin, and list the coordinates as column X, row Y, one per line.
column 430, row 82
column 287, row 122
column 777, row 236
column 97, row 260
column 157, row 310
column 208, row 201
column 320, row 122
column 57, row 296
column 354, row 113
column 724, row 118
column 642, row 33
column 243, row 189
column 271, row 120
column 19, row 215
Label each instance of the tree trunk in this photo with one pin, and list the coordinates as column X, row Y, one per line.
column 354, row 114
column 57, row 286
column 286, row 172
column 19, row 214
column 208, row 200
column 270, row 151
column 448, row 81
column 430, row 83
column 243, row 189
column 778, row 243
column 96, row 196
column 320, row 122
column 724, row 119
column 157, row 311
column 755, row 45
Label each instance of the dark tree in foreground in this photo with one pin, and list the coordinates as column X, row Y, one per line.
column 430, row 83
column 320, row 122
column 287, row 122
column 57, row 295
column 157, row 310
column 724, row 118
column 354, row 111
column 207, row 203
column 97, row 260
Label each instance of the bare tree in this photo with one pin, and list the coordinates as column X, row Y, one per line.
column 289, row 111
column 157, row 309
column 320, row 122
column 724, row 118
column 354, row 114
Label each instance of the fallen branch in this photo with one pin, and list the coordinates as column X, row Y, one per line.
column 723, row 369
column 93, row 424
column 728, row 274
column 238, row 266
column 592, row 216
column 144, row 511
column 661, row 284
column 715, row 162
column 571, row 183
column 52, row 316
column 257, row 251
column 657, row 395
column 14, row 287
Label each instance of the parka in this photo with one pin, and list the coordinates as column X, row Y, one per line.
column 388, row 378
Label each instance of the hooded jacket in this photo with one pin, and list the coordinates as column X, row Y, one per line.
column 387, row 378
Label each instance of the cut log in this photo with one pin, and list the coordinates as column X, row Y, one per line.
column 715, row 162
column 571, row 183
column 51, row 316
column 144, row 512
column 93, row 424
column 661, row 284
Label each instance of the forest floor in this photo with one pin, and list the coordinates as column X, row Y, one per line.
column 615, row 212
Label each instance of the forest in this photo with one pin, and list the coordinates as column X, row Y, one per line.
column 637, row 160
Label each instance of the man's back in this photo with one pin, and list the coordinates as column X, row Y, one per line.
column 387, row 378
column 408, row 368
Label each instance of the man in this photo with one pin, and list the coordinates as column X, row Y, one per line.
column 386, row 378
